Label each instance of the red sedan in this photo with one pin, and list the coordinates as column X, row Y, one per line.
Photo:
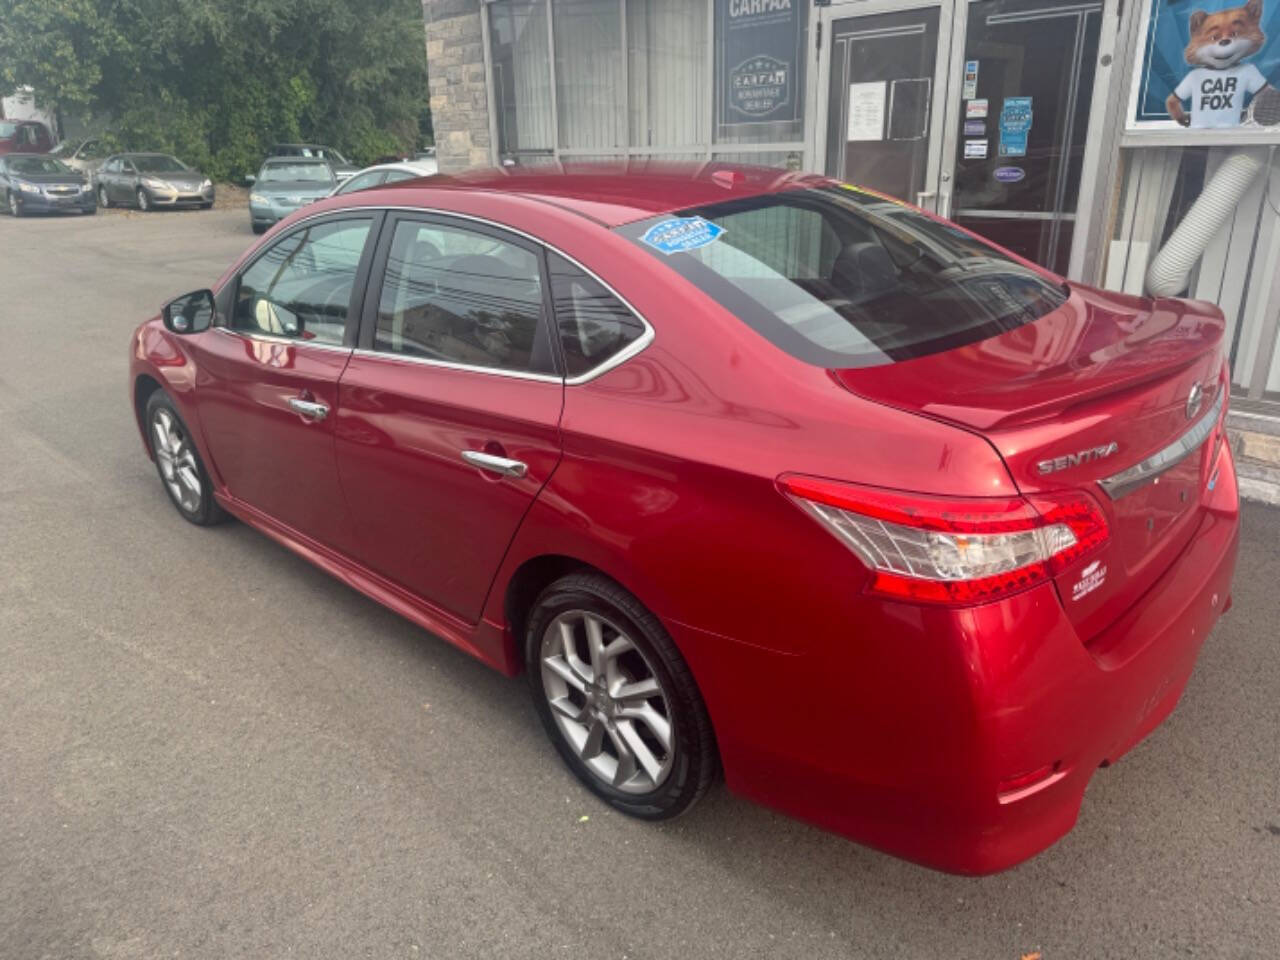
column 746, row 470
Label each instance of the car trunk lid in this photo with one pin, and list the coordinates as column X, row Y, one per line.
column 1075, row 397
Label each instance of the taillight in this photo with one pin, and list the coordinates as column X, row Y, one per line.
column 953, row 550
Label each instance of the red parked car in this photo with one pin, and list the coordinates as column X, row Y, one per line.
column 745, row 469
column 24, row 136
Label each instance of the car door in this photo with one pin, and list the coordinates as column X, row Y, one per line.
column 269, row 372
column 449, row 411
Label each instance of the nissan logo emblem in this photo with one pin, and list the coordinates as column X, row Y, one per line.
column 1194, row 400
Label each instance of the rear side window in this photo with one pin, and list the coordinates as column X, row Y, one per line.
column 842, row 278
column 457, row 295
column 593, row 324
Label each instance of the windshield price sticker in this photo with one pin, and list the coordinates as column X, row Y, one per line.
column 681, row 234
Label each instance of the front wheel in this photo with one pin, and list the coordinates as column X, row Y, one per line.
column 617, row 699
column 103, row 200
column 144, row 200
column 178, row 463
column 15, row 205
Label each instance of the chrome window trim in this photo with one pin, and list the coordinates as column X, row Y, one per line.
column 287, row 341
column 450, row 365
column 1126, row 481
column 622, row 356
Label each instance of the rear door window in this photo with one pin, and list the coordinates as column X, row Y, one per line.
column 458, row 295
column 842, row 278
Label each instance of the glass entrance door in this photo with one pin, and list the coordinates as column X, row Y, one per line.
column 1025, row 83
column 886, row 96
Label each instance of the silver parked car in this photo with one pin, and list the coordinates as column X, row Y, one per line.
column 149, row 180
column 385, row 173
column 83, row 155
column 283, row 185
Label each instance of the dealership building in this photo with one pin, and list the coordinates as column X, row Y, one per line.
column 1046, row 125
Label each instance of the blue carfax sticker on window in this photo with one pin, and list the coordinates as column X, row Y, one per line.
column 681, row 234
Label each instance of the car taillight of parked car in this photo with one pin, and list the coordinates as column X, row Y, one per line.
column 952, row 550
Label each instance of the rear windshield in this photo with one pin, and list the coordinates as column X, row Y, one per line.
column 842, row 278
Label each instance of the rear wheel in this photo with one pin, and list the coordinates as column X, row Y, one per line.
column 144, row 200
column 178, row 463
column 617, row 699
column 103, row 200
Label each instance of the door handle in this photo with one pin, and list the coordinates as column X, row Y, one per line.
column 500, row 465
column 309, row 408
column 924, row 195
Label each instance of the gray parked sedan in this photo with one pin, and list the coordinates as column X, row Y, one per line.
column 36, row 183
column 283, row 185
column 149, row 180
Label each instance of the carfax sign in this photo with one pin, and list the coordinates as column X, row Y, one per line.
column 1203, row 62
column 759, row 57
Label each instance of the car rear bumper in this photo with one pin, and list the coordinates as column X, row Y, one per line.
column 964, row 739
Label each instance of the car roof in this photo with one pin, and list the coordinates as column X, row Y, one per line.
column 292, row 161
column 614, row 194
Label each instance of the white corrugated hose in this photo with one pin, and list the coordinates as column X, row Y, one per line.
column 1170, row 269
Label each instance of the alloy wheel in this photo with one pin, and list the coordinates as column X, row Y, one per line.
column 15, row 209
column 177, row 460
column 144, row 201
column 102, row 197
column 607, row 701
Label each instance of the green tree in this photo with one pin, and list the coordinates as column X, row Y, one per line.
column 217, row 81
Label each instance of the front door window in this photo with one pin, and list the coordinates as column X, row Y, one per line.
column 301, row 287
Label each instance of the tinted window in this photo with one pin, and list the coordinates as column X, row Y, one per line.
column 158, row 163
column 301, row 287
column 395, row 176
column 593, row 324
column 456, row 295
column 841, row 278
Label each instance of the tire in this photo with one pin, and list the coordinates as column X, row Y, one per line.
column 593, row 729
column 14, row 204
column 103, row 200
column 143, row 200
column 257, row 228
column 180, row 458
column 207, row 206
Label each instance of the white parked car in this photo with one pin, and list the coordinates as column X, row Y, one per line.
column 385, row 173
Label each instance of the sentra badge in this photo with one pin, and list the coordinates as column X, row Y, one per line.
column 1076, row 459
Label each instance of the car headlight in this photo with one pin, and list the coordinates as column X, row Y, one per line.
column 206, row 183
column 27, row 187
column 258, row 198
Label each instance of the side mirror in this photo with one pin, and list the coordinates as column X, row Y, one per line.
column 190, row 313
column 250, row 179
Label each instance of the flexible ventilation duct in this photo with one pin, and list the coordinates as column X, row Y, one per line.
column 1170, row 269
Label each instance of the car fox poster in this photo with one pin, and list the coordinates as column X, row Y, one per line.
column 1203, row 63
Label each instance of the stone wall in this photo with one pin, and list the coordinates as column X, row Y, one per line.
column 455, row 67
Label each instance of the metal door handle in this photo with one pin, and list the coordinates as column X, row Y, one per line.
column 924, row 195
column 487, row 461
column 309, row 408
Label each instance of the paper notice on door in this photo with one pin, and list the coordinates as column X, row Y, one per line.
column 866, row 111
column 970, row 80
column 975, row 109
column 975, row 149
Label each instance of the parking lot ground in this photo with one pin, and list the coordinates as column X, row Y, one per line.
column 210, row 749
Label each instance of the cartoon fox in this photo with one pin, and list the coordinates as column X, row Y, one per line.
column 1219, row 83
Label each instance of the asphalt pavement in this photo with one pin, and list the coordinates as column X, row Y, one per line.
column 208, row 748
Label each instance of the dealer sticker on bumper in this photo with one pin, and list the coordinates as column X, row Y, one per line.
column 1091, row 578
